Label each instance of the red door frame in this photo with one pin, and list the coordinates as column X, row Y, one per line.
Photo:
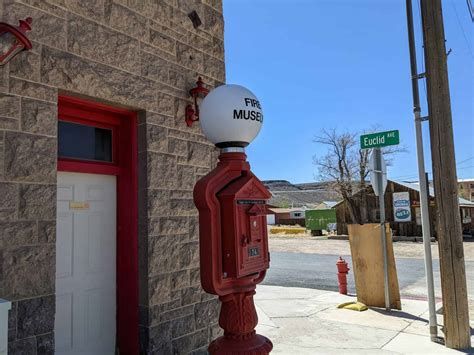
column 123, row 124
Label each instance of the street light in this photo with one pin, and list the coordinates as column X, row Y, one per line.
column 232, row 205
column 13, row 40
column 231, row 116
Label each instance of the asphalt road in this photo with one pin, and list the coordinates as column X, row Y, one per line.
column 319, row 271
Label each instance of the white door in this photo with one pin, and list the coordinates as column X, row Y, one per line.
column 85, row 264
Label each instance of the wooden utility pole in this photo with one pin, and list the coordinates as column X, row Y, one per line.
column 450, row 244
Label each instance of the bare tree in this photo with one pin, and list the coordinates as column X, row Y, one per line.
column 346, row 167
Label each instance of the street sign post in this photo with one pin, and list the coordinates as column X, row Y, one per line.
column 378, row 178
column 380, row 139
column 374, row 174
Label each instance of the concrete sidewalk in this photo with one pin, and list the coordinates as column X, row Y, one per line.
column 306, row 321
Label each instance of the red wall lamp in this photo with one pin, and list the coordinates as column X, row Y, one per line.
column 13, row 40
column 192, row 112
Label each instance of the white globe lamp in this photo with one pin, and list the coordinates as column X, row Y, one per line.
column 231, row 116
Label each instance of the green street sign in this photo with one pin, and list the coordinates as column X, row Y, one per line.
column 380, row 139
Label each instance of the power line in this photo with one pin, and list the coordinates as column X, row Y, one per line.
column 462, row 29
column 471, row 10
column 465, row 160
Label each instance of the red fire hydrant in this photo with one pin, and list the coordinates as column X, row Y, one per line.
column 342, row 270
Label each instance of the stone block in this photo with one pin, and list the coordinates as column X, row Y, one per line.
column 93, row 9
column 49, row 6
column 76, row 74
column 168, row 226
column 90, row 40
column 201, row 351
column 195, row 276
column 38, row 117
column 206, row 313
column 159, row 288
column 179, row 279
column 189, row 57
column 185, row 178
column 47, row 232
column 214, row 67
column 45, row 344
column 36, row 316
column 176, row 77
column 177, row 146
column 181, row 194
column 29, row 157
column 163, row 255
column 190, row 342
column 9, row 123
column 182, row 207
column 9, row 106
column 177, row 313
column 165, row 104
column 34, row 90
column 157, row 138
column 162, row 41
column 154, row 67
column 218, row 48
column 199, row 154
column 158, row 202
column 126, row 21
column 182, row 326
column 191, row 295
column 17, row 233
column 162, row 171
column 22, row 346
column 213, row 22
column 37, row 202
column 28, row 271
column 8, row 200
column 26, row 64
column 193, row 228
column 3, row 78
column 215, row 332
column 189, row 255
column 160, row 339
column 47, row 29
column 160, row 120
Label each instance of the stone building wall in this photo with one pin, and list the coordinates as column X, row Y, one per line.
column 139, row 54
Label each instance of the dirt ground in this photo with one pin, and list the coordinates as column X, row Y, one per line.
column 318, row 245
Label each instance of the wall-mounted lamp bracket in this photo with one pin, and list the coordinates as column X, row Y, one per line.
column 13, row 39
column 192, row 111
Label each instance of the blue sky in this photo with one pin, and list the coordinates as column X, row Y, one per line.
column 318, row 64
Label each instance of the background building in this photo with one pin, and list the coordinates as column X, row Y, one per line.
column 411, row 227
column 123, row 69
column 466, row 189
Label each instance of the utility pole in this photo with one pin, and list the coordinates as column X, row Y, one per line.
column 451, row 253
column 424, row 187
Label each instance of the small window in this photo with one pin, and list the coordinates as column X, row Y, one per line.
column 79, row 141
column 472, row 186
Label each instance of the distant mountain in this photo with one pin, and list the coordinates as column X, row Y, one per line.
column 286, row 194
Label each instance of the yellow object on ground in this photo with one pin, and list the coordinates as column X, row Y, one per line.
column 287, row 230
column 354, row 306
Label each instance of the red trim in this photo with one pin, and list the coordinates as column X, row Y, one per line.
column 124, row 166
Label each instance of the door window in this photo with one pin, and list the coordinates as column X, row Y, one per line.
column 78, row 141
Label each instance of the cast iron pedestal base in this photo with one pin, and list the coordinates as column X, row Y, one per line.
column 238, row 318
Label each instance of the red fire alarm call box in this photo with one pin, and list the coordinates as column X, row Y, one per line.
column 244, row 227
column 233, row 240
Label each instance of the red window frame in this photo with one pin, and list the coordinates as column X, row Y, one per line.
column 123, row 124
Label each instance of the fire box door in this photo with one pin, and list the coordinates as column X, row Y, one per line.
column 244, row 227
